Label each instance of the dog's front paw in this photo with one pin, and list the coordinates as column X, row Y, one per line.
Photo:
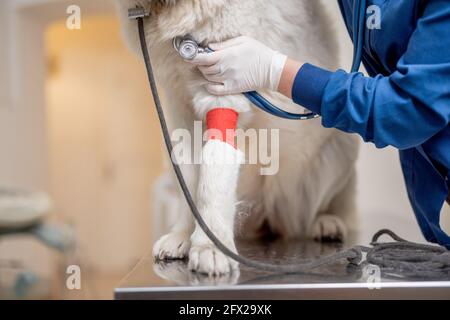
column 207, row 259
column 172, row 246
column 329, row 228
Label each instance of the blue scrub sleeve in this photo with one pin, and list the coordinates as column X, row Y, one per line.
column 404, row 109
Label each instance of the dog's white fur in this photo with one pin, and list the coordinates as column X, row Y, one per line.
column 312, row 194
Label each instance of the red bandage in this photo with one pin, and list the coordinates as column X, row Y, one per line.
column 221, row 124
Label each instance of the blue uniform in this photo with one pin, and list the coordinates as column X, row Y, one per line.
column 404, row 103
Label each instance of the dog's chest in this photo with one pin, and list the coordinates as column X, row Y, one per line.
column 207, row 22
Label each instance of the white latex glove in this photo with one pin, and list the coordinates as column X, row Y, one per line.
column 240, row 65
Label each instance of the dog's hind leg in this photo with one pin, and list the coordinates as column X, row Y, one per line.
column 337, row 179
column 340, row 216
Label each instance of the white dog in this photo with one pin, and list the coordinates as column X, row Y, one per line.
column 312, row 195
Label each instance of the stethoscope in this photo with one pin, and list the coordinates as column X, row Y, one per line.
column 409, row 251
column 188, row 49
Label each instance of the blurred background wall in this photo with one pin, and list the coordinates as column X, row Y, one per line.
column 103, row 140
column 77, row 121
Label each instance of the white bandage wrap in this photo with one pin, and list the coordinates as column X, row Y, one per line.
column 216, row 192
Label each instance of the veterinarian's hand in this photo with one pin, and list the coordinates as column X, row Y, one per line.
column 240, row 65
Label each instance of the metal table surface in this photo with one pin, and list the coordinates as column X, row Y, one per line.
column 172, row 280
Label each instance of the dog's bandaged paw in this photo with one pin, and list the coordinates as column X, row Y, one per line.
column 172, row 246
column 329, row 228
column 207, row 259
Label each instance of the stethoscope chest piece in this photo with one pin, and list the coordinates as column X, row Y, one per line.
column 187, row 47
